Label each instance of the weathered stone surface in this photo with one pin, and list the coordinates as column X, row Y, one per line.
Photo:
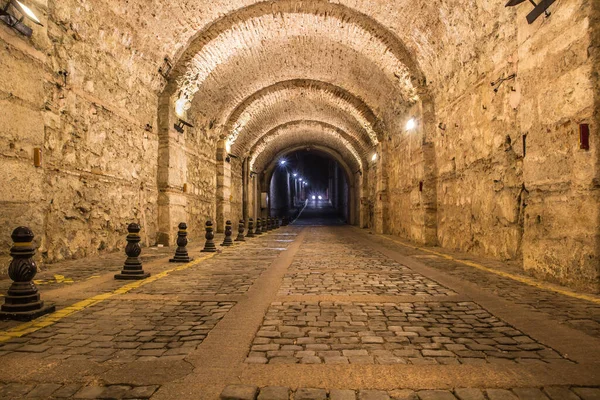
column 274, row 393
column 239, row 392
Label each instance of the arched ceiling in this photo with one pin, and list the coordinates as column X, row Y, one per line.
column 303, row 133
column 299, row 105
column 298, row 96
column 266, row 64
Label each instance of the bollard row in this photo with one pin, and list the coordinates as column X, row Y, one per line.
column 23, row 302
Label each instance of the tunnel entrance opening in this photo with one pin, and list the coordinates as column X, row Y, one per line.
column 311, row 188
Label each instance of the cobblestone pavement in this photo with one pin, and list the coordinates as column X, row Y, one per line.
column 345, row 283
column 581, row 315
column 389, row 333
column 303, row 312
column 125, row 331
column 236, row 392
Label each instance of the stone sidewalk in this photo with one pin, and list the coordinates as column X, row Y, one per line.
column 301, row 313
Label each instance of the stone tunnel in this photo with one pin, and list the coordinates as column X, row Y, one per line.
column 300, row 199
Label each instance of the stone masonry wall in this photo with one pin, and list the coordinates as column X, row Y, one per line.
column 491, row 199
column 99, row 160
column 556, row 66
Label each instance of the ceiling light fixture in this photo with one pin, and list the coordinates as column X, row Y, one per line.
column 17, row 24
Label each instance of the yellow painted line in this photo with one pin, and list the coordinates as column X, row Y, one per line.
column 51, row 319
column 518, row 278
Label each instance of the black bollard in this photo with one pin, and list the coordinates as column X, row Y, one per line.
column 258, row 231
column 228, row 231
column 181, row 254
column 241, row 230
column 209, row 246
column 277, row 223
column 132, row 269
column 284, row 221
column 267, row 222
column 22, row 303
column 250, row 233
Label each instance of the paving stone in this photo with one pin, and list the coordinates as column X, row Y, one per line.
column 373, row 395
column 239, row 392
column 529, row 394
column 587, row 393
column 67, row 391
column 90, row 392
column 116, row 391
column 337, row 394
column 560, row 393
column 15, row 390
column 141, row 392
column 469, row 394
column 44, row 390
column 500, row 394
column 310, row 394
column 435, row 395
column 274, row 393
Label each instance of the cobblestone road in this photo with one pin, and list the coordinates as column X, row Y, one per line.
column 303, row 312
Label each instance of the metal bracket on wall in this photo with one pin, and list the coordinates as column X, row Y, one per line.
column 538, row 9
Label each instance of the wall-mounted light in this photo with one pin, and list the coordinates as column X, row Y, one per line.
column 181, row 124
column 411, row 124
column 181, row 107
column 295, row 175
column 538, row 9
column 300, row 179
column 9, row 18
column 374, row 157
column 282, row 162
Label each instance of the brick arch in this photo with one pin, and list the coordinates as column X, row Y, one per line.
column 238, row 129
column 305, row 133
column 218, row 40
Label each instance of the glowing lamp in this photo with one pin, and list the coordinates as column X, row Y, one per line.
column 411, row 124
column 9, row 18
